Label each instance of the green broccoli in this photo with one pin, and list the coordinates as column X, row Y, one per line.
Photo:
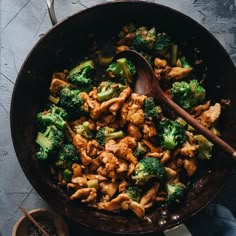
column 71, row 101
column 49, row 142
column 106, row 133
column 184, row 63
column 175, row 193
column 54, row 116
column 205, row 147
column 133, row 192
column 67, row 174
column 162, row 43
column 140, row 150
column 108, row 90
column 66, row 156
column 171, row 134
column 144, row 39
column 83, row 129
column 79, row 76
column 123, row 69
column 188, row 95
column 146, row 169
column 151, row 111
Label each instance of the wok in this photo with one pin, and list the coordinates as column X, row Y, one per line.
column 61, row 48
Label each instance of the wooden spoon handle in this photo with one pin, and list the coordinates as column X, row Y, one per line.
column 193, row 122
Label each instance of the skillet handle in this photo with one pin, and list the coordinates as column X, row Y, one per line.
column 180, row 230
column 51, row 11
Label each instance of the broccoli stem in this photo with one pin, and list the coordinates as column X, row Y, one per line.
column 115, row 135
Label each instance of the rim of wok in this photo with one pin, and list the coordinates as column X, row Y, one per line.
column 91, row 217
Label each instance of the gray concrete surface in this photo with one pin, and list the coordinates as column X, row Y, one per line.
column 22, row 23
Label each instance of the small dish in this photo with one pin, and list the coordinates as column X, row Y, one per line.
column 22, row 225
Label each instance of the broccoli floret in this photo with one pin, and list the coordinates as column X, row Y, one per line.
column 79, row 76
column 67, row 174
column 162, row 43
column 144, row 39
column 106, row 133
column 67, row 155
column 140, row 150
column 133, row 192
column 123, row 69
column 188, row 95
column 54, row 116
column 205, row 147
column 108, row 90
column 151, row 111
column 49, row 142
column 71, row 101
column 83, row 129
column 175, row 193
column 148, row 168
column 171, row 133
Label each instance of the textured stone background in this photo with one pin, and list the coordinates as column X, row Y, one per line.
column 22, row 23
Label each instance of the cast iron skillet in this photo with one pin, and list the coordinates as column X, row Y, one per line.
column 62, row 47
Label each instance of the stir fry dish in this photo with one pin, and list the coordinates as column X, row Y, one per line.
column 116, row 150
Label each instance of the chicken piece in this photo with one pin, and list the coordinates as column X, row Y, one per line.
column 135, row 116
column 73, row 186
column 85, row 159
column 108, row 189
column 114, row 204
column 188, row 150
column 91, row 105
column 177, row 73
column 98, row 177
column 130, row 141
column 56, row 85
column 60, row 75
column 80, row 142
column 77, row 170
column 149, row 131
column 159, row 73
column 81, row 181
column 137, row 208
column 135, row 112
column 94, row 93
column 124, row 114
column 170, row 173
column 121, row 48
column 131, row 169
column 209, row 117
column 105, row 120
column 158, row 155
column 123, row 185
column 159, row 63
column 115, row 104
column 197, row 110
column 166, row 156
column 111, row 165
column 88, row 195
column 149, row 197
column 190, row 165
column 123, row 166
column 134, row 131
column 95, row 163
column 151, row 146
column 122, row 149
column 93, row 148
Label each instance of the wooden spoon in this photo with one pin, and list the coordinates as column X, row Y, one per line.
column 147, row 84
